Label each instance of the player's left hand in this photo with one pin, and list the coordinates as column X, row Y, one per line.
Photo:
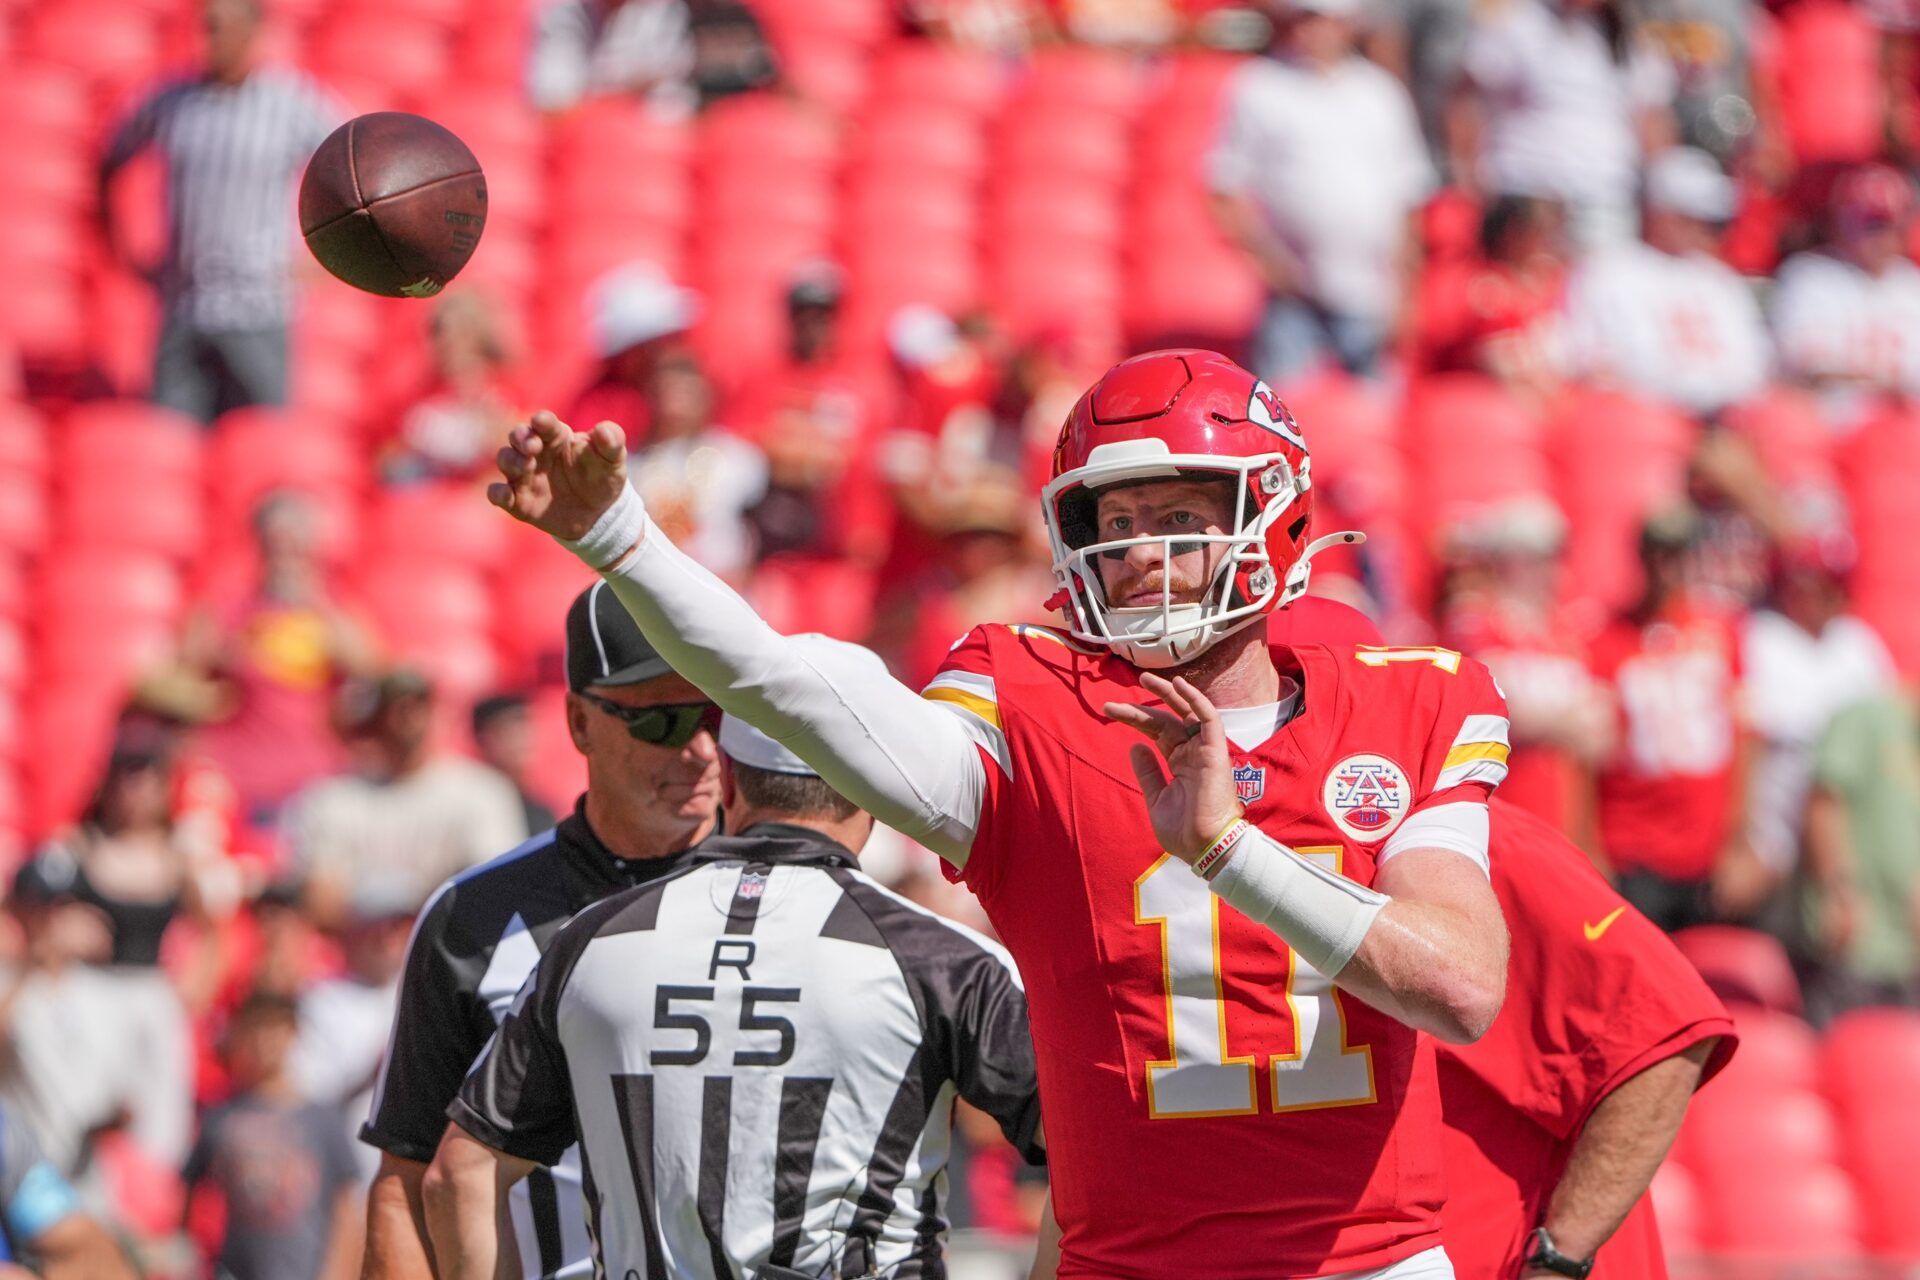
column 1190, row 809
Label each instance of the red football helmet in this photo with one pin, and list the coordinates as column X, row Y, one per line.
column 1168, row 414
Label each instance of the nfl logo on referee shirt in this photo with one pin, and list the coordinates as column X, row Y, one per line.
column 1250, row 780
column 1367, row 796
column 752, row 885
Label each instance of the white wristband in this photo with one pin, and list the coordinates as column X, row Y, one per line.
column 617, row 531
column 1321, row 915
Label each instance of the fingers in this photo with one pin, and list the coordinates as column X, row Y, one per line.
column 546, row 427
column 1146, row 769
column 501, row 496
column 513, row 464
column 608, row 440
column 1151, row 721
column 1199, row 707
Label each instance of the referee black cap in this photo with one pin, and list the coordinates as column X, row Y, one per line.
column 604, row 644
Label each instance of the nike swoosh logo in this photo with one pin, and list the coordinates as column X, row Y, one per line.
column 1593, row 931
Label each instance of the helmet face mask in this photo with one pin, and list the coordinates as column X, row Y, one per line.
column 1241, row 587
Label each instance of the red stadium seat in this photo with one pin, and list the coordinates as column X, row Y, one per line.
column 587, row 196
column 559, row 773
column 1733, row 1136
column 26, row 444
column 1063, row 146
column 15, row 664
column 863, row 23
column 1209, row 298
column 1068, row 218
column 1792, row 440
column 76, row 36
column 42, row 100
column 1677, row 1208
column 1618, row 460
column 923, row 71
column 617, row 137
column 1829, row 81
column 123, row 510
column 46, row 320
column 407, row 53
column 759, row 126
column 1777, row 1052
column 1742, row 966
column 921, row 138
column 734, row 210
column 1355, row 432
column 1870, row 1056
column 258, row 449
column 829, row 71
column 531, row 593
column 877, row 206
column 1880, row 1139
column 1790, row 1213
column 451, row 524
column 412, row 600
column 1100, row 79
column 106, row 586
column 79, row 716
column 130, row 436
column 1505, row 461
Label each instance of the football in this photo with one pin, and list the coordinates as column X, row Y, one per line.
column 394, row 204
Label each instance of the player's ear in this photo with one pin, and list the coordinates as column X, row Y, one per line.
column 577, row 713
column 728, row 791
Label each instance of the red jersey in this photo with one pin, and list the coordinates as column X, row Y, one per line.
column 1667, row 797
column 1595, row 994
column 1213, row 1106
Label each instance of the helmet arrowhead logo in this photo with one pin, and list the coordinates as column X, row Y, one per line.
column 1264, row 409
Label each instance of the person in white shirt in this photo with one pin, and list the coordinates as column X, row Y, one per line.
column 1804, row 658
column 1663, row 317
column 1558, row 99
column 1316, row 172
column 1846, row 316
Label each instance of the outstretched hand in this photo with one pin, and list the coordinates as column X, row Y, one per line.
column 1200, row 800
column 557, row 479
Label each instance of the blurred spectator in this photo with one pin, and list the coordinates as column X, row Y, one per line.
column 1721, row 104
column 1501, row 313
column 1045, row 376
column 449, row 427
column 344, row 1020
column 1317, row 169
column 41, row 1218
column 281, row 1166
column 636, row 316
column 1663, row 317
column 998, row 26
column 259, row 665
column 72, row 1067
column 1501, row 604
column 988, row 569
column 235, row 138
column 700, row 482
column 640, row 49
column 1863, row 858
column 503, row 737
column 1847, row 315
column 1805, row 657
column 407, row 808
column 945, row 431
column 1560, row 98
column 1670, row 796
column 730, row 50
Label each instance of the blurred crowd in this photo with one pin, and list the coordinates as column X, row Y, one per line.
column 1601, row 316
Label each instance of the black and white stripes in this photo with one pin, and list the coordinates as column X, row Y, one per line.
column 233, row 154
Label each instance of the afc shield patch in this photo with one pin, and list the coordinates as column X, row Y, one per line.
column 1367, row 796
column 1250, row 780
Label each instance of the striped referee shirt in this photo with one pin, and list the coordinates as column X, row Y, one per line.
column 475, row 943
column 233, row 154
column 759, row 1056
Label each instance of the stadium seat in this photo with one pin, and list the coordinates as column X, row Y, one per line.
column 414, row 599
column 1797, row 1212
column 1677, row 1208
column 923, row 71
column 80, row 717
column 126, row 511
column 75, row 36
column 920, row 139
column 258, row 449
column 39, row 99
column 863, row 23
column 1792, row 440
column 1731, row 1136
column 406, row 53
column 1777, row 1052
column 1829, row 81
column 1355, row 432
column 878, row 206
column 1505, row 461
column 130, row 435
column 760, row 126
column 1880, row 1139
column 1617, row 460
column 1870, row 1056
column 734, row 210
column 616, row 136
column 1082, row 218
column 452, row 524
column 1066, row 148
column 559, row 772
column 530, row 598
column 1099, row 79
column 100, row 583
column 1742, row 966
column 15, row 662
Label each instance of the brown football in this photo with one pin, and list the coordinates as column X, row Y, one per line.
column 393, row 204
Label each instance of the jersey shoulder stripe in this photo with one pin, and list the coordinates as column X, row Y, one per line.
column 1478, row 754
column 971, row 696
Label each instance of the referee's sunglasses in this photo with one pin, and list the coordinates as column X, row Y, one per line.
column 672, row 725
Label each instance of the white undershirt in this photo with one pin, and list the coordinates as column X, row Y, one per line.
column 1248, row 727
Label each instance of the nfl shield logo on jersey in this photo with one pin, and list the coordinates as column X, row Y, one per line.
column 1367, row 796
column 1250, row 780
column 752, row 884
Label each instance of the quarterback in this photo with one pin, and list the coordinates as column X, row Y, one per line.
column 1239, row 879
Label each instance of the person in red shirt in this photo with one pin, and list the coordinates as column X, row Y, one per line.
column 1235, row 1094
column 1669, row 800
column 1558, row 1117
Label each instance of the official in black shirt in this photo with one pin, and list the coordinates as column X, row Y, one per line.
column 653, row 787
column 758, row 1055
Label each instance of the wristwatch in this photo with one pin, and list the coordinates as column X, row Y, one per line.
column 1545, row 1256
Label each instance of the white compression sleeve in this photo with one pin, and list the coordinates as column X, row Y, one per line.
column 1320, row 914
column 907, row 761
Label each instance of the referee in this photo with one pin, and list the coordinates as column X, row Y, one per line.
column 653, row 783
column 759, row 1054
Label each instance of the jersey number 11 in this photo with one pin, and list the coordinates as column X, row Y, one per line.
column 1198, row 1077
